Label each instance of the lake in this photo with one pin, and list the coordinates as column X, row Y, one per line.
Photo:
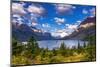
column 56, row 43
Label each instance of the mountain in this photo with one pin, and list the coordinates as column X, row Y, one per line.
column 23, row 32
column 86, row 28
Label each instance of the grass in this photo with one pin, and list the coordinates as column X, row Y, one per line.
column 22, row 60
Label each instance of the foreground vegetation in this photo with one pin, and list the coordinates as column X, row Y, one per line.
column 31, row 53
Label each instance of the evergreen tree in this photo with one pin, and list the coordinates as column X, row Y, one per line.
column 79, row 46
column 16, row 47
column 47, row 49
column 63, row 46
column 91, row 53
column 84, row 45
column 63, row 49
column 42, row 54
column 54, row 52
column 33, row 47
column 74, row 47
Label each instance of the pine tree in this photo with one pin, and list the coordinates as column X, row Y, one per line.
column 79, row 46
column 42, row 53
column 33, row 47
column 16, row 47
column 54, row 52
column 84, row 45
column 63, row 49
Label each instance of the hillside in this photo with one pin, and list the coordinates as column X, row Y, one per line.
column 86, row 28
column 23, row 32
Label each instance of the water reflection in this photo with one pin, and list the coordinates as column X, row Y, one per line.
column 56, row 43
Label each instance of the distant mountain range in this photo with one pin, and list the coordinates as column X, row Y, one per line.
column 23, row 32
column 86, row 28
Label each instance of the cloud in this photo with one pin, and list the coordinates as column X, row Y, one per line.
column 19, row 22
column 72, row 27
column 63, row 8
column 79, row 21
column 15, row 15
column 59, row 20
column 67, row 25
column 85, row 11
column 36, row 9
column 33, row 17
column 34, row 23
column 17, row 19
column 59, row 33
column 21, row 14
column 93, row 12
column 17, row 8
column 46, row 25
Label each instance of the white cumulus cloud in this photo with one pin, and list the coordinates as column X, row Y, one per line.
column 46, row 25
column 17, row 8
column 85, row 11
column 62, row 8
column 17, row 19
column 59, row 20
column 36, row 9
column 60, row 33
column 78, row 21
column 93, row 12
column 72, row 27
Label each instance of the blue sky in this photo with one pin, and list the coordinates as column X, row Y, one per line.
column 57, row 19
